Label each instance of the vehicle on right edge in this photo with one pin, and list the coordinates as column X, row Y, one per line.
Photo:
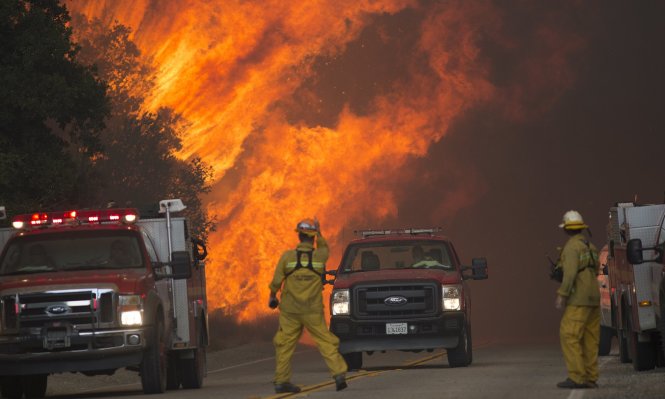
column 403, row 290
column 636, row 234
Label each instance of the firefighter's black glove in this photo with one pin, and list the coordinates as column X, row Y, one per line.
column 273, row 302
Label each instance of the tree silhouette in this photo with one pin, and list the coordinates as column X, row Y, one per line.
column 138, row 164
column 51, row 109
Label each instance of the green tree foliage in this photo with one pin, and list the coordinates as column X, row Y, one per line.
column 138, row 164
column 51, row 109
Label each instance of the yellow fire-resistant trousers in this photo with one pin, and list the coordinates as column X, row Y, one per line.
column 290, row 328
column 580, row 335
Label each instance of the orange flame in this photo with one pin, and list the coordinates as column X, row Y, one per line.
column 231, row 69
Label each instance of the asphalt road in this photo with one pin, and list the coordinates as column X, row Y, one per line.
column 498, row 371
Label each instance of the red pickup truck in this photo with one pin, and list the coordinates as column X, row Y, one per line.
column 403, row 290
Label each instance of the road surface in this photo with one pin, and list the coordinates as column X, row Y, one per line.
column 498, row 371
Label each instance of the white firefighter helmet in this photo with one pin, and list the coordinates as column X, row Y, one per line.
column 572, row 220
column 308, row 226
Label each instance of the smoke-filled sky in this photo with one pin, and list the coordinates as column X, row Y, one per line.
column 490, row 119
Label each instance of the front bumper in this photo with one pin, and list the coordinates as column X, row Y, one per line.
column 47, row 352
column 356, row 335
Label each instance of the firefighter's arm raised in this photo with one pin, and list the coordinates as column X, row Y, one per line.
column 322, row 250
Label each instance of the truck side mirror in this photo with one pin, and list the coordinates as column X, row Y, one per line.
column 634, row 251
column 479, row 268
column 332, row 273
column 181, row 266
column 200, row 251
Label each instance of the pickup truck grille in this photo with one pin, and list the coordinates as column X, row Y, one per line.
column 370, row 300
column 79, row 308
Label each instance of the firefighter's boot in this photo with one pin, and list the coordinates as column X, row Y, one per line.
column 286, row 387
column 340, row 382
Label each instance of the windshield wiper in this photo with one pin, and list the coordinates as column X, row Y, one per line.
column 85, row 267
column 28, row 271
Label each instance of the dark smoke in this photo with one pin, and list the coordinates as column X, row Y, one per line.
column 599, row 143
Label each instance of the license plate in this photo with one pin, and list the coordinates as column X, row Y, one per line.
column 396, row 328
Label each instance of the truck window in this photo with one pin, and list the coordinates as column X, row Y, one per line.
column 151, row 249
column 397, row 255
column 65, row 251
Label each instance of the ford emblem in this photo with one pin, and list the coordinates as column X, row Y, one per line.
column 58, row 309
column 395, row 300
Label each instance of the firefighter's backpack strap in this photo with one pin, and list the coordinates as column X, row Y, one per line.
column 310, row 255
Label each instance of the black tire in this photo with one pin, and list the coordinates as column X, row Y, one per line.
column 11, row 387
column 624, row 354
column 461, row 355
column 661, row 323
column 642, row 353
column 605, row 342
column 34, row 386
column 172, row 373
column 469, row 348
column 354, row 360
column 193, row 370
column 154, row 364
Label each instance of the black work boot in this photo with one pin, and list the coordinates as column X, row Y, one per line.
column 340, row 382
column 285, row 387
column 570, row 384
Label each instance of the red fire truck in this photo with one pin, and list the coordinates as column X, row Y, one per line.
column 93, row 291
column 637, row 288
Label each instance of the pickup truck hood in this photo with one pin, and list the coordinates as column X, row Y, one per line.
column 126, row 280
column 346, row 280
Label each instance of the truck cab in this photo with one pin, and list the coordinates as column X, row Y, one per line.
column 92, row 291
column 403, row 290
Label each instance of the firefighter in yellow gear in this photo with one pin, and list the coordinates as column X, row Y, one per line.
column 299, row 275
column 580, row 296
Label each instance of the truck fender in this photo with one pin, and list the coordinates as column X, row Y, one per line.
column 152, row 309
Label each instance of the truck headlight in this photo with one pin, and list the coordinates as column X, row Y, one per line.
column 131, row 318
column 340, row 302
column 131, row 313
column 452, row 297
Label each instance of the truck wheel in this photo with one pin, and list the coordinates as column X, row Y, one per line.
column 11, row 387
column 624, row 355
column 153, row 367
column 34, row 386
column 193, row 370
column 172, row 373
column 661, row 324
column 354, row 360
column 460, row 356
column 605, row 343
column 642, row 353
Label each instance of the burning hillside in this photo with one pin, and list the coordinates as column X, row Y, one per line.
column 312, row 108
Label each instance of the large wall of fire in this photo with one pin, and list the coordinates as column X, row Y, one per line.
column 290, row 137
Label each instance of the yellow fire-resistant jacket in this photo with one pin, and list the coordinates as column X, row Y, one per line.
column 301, row 291
column 579, row 283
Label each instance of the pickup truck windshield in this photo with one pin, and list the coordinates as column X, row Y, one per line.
column 65, row 251
column 397, row 255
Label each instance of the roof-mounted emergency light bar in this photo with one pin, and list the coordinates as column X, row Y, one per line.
column 412, row 231
column 43, row 219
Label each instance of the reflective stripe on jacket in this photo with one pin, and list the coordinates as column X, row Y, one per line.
column 579, row 284
column 301, row 290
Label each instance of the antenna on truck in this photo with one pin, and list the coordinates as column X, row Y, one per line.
column 168, row 206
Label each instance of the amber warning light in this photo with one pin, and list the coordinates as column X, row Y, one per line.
column 122, row 215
